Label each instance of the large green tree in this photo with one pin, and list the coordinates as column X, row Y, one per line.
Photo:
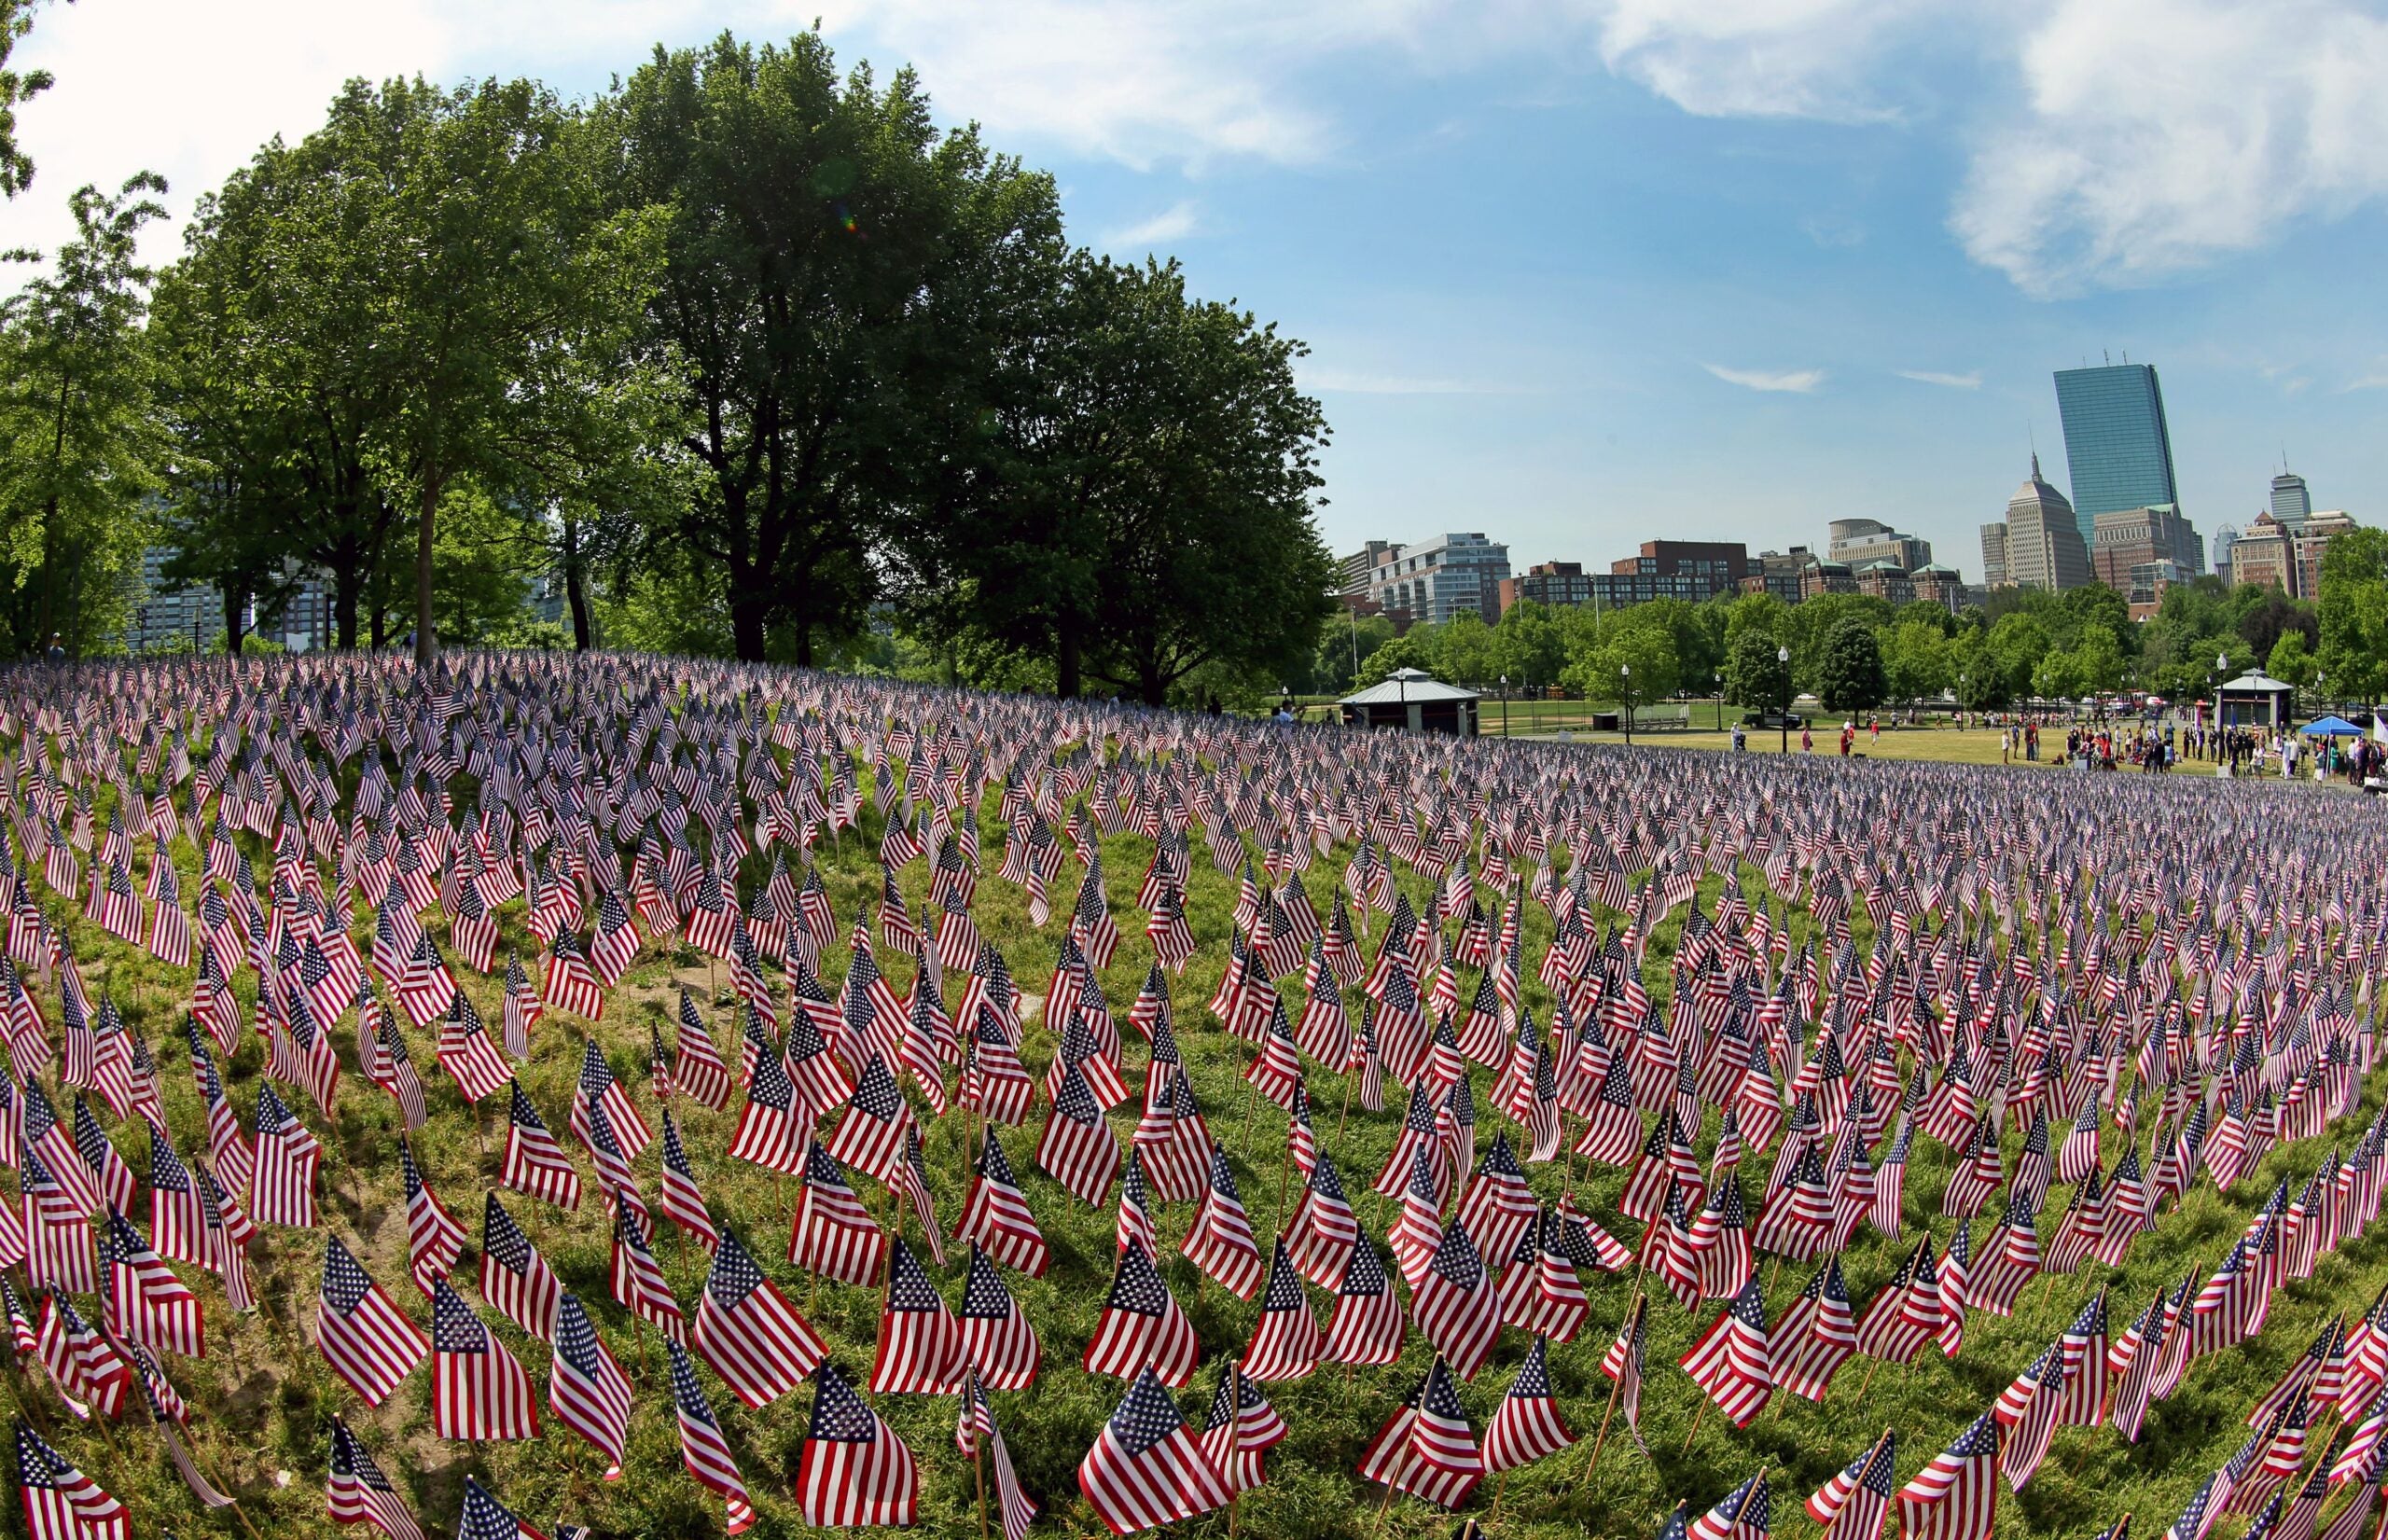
column 77, row 440
column 1850, row 670
column 841, row 282
column 1755, row 673
column 17, row 87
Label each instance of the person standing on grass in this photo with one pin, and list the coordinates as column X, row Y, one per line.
column 1807, row 739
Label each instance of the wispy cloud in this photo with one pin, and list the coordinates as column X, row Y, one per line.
column 1797, row 382
column 2376, row 380
column 1933, row 377
column 1174, row 223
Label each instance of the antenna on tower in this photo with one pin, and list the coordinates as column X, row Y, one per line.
column 2104, row 354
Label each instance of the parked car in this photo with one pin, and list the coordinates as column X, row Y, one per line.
column 1773, row 721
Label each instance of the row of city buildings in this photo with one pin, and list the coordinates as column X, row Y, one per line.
column 2122, row 526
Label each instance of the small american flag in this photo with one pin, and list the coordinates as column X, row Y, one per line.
column 1426, row 1448
column 749, row 1333
column 995, row 1214
column 1142, row 1329
column 1526, row 1427
column 1955, row 1497
column 514, row 1278
column 997, row 1336
column 433, row 1238
column 1733, row 1361
column 535, row 1165
column 920, row 1345
column 975, row 1432
column 479, row 1390
column 853, row 1469
column 1854, row 1504
column 1746, row 1513
column 370, row 1343
column 486, row 1519
column 1146, row 1468
column 356, row 1491
column 703, row 1448
column 146, row 1302
column 61, row 1503
column 586, row 1388
column 834, row 1235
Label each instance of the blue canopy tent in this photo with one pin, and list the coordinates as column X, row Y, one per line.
column 2330, row 727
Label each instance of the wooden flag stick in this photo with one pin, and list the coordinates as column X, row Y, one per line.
column 1697, row 1418
column 979, row 1453
column 1601, row 1437
column 1868, row 1383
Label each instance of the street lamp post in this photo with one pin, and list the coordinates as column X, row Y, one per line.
column 2221, row 667
column 1720, row 699
column 1782, row 656
column 1505, row 706
column 1625, row 674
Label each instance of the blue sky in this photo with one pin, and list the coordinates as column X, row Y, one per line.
column 1575, row 272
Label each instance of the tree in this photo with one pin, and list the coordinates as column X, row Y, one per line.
column 1148, row 512
column 1755, row 675
column 1850, row 670
column 77, row 443
column 2290, row 662
column 2351, row 612
column 1530, row 644
column 1917, row 660
column 841, row 282
column 16, row 169
column 1645, row 645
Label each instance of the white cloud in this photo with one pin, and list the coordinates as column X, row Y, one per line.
column 2155, row 135
column 1797, row 382
column 1758, row 58
column 1933, row 377
column 1173, row 223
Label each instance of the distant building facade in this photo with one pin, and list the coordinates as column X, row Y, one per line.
column 167, row 613
column 2224, row 538
column 2127, row 540
column 2272, row 553
column 1359, row 568
column 1441, row 576
column 2039, row 544
column 2118, row 449
column 1862, row 541
column 1549, row 583
column 1778, row 573
column 2292, row 500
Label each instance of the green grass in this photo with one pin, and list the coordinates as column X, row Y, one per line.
column 264, row 1396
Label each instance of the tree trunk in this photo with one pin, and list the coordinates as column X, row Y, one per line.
column 1152, row 685
column 235, row 596
column 347, row 582
column 427, row 646
column 746, row 630
column 575, row 591
column 1067, row 666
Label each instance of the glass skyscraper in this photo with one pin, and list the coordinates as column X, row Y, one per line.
column 2117, row 448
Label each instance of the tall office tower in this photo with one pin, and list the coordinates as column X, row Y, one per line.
column 2292, row 504
column 2116, row 447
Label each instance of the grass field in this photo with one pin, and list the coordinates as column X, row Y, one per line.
column 264, row 1397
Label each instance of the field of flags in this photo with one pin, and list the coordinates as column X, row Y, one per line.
column 1173, row 1120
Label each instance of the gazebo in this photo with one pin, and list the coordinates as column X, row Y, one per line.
column 1414, row 699
column 2254, row 699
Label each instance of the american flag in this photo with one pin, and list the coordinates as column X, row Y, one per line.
column 773, row 1128
column 535, row 1165
column 2027, row 1408
column 571, row 984
column 1426, row 1447
column 479, row 1390
column 997, row 1336
column 995, row 1214
column 1242, row 1427
column 1455, row 1304
column 486, row 1519
column 749, row 1333
column 703, row 1448
column 146, row 1302
column 598, row 1088
column 870, row 1138
column 1854, row 1504
column 682, row 1201
column 465, row 1052
column 1907, row 1314
column 1955, row 1497
column 433, row 1238
column 1623, row 1364
column 637, row 1282
column 1219, row 1241
column 1732, row 1361
column 356, row 1491
column 60, row 1501
column 697, row 1069
column 2203, row 1509
column 282, row 1191
column 1286, row 1341
column 367, row 1340
column 909, row 1181
column 920, row 1345
column 1748, row 1513
column 107, row 1168
column 1146, row 1467
column 1078, row 1149
column 586, row 1388
column 178, row 1221
column 833, row 1234
column 1526, row 1427
column 976, row 1435
column 853, row 1469
column 1142, row 1329
column 514, row 1278
column 80, row 1360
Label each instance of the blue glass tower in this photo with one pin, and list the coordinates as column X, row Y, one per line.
column 2116, row 447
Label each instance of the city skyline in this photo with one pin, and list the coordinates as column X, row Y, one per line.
column 1562, row 267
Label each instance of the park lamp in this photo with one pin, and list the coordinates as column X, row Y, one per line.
column 1782, row 656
